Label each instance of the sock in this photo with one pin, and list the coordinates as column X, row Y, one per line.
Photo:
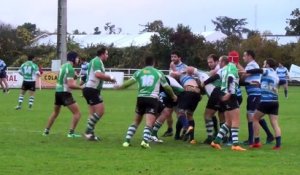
column 47, row 130
column 250, row 132
column 215, row 124
column 156, row 127
column 31, row 100
column 184, row 122
column 222, row 132
column 71, row 131
column 285, row 93
column 221, row 124
column 178, row 129
column 92, row 122
column 256, row 140
column 192, row 124
column 235, row 136
column 209, row 128
column 21, row 97
column 130, row 132
column 278, row 141
column 147, row 134
column 170, row 130
column 264, row 125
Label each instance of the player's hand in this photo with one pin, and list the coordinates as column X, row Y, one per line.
column 172, row 66
column 190, row 70
column 113, row 79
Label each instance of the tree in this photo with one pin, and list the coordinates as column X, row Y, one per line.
column 154, row 26
column 77, row 32
column 97, row 31
column 111, row 28
column 294, row 23
column 230, row 26
column 31, row 28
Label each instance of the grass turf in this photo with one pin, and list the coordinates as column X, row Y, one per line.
column 23, row 149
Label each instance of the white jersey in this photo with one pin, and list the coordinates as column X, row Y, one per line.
column 202, row 76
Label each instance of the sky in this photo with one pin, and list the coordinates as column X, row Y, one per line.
column 85, row 15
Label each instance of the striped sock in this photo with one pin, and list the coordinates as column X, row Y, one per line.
column 209, row 124
column 235, row 135
column 156, row 127
column 147, row 134
column 31, row 100
column 130, row 132
column 222, row 132
column 92, row 122
column 21, row 98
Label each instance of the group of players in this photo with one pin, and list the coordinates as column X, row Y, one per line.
column 180, row 91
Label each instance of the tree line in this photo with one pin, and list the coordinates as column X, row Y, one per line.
column 16, row 43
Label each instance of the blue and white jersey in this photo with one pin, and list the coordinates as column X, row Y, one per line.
column 239, row 91
column 269, row 84
column 282, row 72
column 184, row 78
column 2, row 66
column 176, row 87
column 84, row 68
column 253, row 79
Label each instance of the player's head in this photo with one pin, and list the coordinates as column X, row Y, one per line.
column 149, row 61
column 175, row 57
column 103, row 53
column 270, row 63
column 212, row 61
column 72, row 57
column 30, row 57
column 280, row 65
column 223, row 61
column 248, row 56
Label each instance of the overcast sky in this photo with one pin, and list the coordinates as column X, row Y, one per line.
column 85, row 15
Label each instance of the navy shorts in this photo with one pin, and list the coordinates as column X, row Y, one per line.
column 2, row 74
column 270, row 108
column 282, row 82
column 252, row 102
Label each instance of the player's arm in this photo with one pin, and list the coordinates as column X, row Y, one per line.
column 255, row 71
column 37, row 71
column 211, row 79
column 173, row 72
column 70, row 80
column 102, row 76
column 230, row 84
column 127, row 83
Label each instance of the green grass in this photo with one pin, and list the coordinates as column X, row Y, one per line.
column 23, row 149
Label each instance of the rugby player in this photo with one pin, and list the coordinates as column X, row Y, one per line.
column 254, row 94
column 269, row 102
column 283, row 75
column 63, row 96
column 92, row 91
column 29, row 71
column 149, row 80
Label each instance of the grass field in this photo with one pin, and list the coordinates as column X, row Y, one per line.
column 23, row 149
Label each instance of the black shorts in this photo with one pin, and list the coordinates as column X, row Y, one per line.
column 147, row 105
column 83, row 78
column 214, row 100
column 282, row 82
column 3, row 74
column 252, row 102
column 28, row 85
column 161, row 107
column 240, row 99
column 92, row 96
column 188, row 100
column 168, row 102
column 230, row 104
column 64, row 98
column 270, row 108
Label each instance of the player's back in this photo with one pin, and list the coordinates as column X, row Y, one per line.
column 282, row 72
column 253, row 79
column 269, row 83
column 66, row 71
column 29, row 71
column 149, row 80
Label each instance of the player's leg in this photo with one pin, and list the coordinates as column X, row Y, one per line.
column 275, row 125
column 235, row 126
column 286, row 89
column 5, row 84
column 209, row 124
column 51, row 119
column 132, row 129
column 169, row 131
column 74, row 108
column 224, row 129
column 21, row 98
column 256, row 118
column 31, row 98
column 165, row 114
column 150, row 119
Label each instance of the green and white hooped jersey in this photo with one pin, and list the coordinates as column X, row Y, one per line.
column 149, row 80
column 230, row 71
column 95, row 65
column 29, row 71
column 66, row 72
